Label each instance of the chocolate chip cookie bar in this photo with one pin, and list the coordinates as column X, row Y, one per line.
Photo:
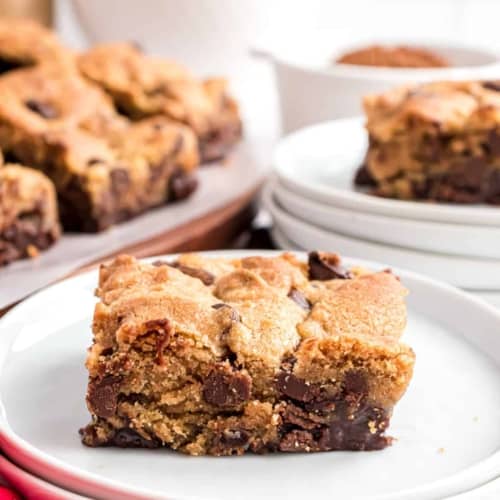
column 225, row 356
column 143, row 86
column 436, row 141
column 24, row 42
column 106, row 169
column 28, row 213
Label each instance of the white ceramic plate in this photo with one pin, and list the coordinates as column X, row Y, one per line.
column 473, row 274
column 447, row 429
column 319, row 162
column 440, row 237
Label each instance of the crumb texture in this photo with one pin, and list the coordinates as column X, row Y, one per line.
column 224, row 356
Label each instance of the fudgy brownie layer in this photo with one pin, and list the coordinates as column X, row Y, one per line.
column 440, row 168
column 24, row 237
column 309, row 418
column 77, row 212
column 221, row 357
column 219, row 143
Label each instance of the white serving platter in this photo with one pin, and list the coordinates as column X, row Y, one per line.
column 446, row 425
column 319, row 162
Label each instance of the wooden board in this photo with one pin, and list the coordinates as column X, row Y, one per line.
column 215, row 230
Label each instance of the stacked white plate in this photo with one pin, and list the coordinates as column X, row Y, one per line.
column 314, row 204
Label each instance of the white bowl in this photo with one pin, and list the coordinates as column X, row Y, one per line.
column 312, row 88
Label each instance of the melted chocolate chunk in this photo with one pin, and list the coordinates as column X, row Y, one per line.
column 128, row 438
column 333, row 421
column 299, row 298
column 162, row 329
column 44, row 109
column 234, row 438
column 326, row 266
column 7, row 65
column 204, row 276
column 102, row 396
column 159, row 263
column 492, row 85
column 94, row 161
column 468, row 174
column 355, row 382
column 226, row 387
column 296, row 388
column 364, row 177
column 181, row 185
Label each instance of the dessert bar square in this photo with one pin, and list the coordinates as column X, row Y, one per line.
column 143, row 86
column 437, row 141
column 225, row 356
column 28, row 213
column 24, row 42
column 106, row 169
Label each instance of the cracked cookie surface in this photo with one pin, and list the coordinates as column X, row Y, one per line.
column 436, row 141
column 144, row 86
column 223, row 356
column 106, row 168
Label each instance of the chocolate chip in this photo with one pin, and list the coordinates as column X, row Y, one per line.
column 42, row 108
column 492, row 85
column 94, row 161
column 364, row 432
column 326, row 266
column 355, row 382
column 204, row 276
column 7, row 65
column 235, row 315
column 159, row 263
column 234, row 438
column 120, row 180
column 102, row 396
column 128, row 438
column 468, row 174
column 296, row 388
column 225, row 387
column 299, row 298
column 364, row 177
column 181, row 185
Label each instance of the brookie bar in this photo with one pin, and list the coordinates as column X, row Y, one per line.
column 436, row 141
column 106, row 169
column 223, row 356
column 28, row 213
column 143, row 86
